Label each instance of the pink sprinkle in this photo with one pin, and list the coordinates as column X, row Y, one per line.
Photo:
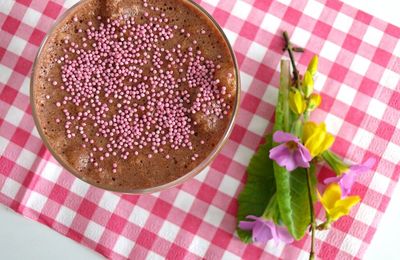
column 150, row 112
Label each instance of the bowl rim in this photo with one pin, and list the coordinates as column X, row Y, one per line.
column 195, row 171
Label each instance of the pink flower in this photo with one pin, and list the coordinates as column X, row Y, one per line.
column 291, row 153
column 264, row 230
column 346, row 180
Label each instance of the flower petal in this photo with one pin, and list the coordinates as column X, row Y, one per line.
column 366, row 166
column 279, row 152
column 300, row 158
column 272, row 227
column 327, row 143
column 246, row 225
column 346, row 182
column 261, row 232
column 290, row 163
column 284, row 235
column 370, row 162
column 252, row 217
column 308, row 130
column 332, row 179
column 316, row 139
column 338, row 212
column 343, row 207
column 280, row 137
column 314, row 142
column 332, row 194
column 306, row 154
column 348, row 202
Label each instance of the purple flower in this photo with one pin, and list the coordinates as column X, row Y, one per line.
column 264, row 230
column 291, row 153
column 346, row 180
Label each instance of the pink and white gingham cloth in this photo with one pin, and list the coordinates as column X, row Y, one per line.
column 359, row 83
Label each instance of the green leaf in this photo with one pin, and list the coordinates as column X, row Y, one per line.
column 259, row 188
column 292, row 196
column 291, row 187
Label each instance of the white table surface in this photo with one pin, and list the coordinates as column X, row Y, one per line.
column 22, row 238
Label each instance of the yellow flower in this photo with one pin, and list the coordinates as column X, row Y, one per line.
column 313, row 65
column 314, row 101
column 316, row 139
column 333, row 203
column 296, row 101
column 308, row 84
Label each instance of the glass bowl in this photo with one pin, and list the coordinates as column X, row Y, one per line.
column 165, row 186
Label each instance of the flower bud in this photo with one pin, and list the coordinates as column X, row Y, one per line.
column 314, row 101
column 308, row 84
column 296, row 101
column 313, row 65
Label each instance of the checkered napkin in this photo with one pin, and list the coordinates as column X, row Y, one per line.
column 359, row 84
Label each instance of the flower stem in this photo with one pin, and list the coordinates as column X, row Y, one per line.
column 326, row 225
column 284, row 91
column 297, row 127
column 269, row 212
column 306, row 116
column 289, row 48
column 312, row 216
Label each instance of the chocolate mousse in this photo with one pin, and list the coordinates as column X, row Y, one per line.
column 134, row 94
